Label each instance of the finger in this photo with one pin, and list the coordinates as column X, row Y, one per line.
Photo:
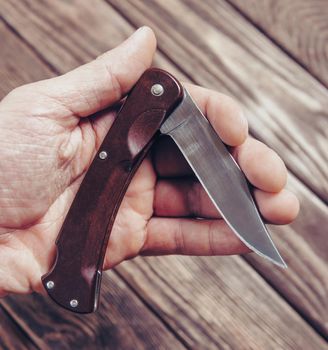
column 99, row 83
column 278, row 208
column 261, row 165
column 191, row 237
column 183, row 198
column 223, row 112
column 168, row 159
column 187, row 198
column 224, row 115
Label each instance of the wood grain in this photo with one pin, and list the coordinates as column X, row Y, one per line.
column 304, row 271
column 123, row 322
column 18, row 64
column 11, row 337
column 299, row 26
column 217, row 48
column 227, row 311
column 303, row 245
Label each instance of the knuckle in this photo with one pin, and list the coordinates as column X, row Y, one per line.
column 114, row 83
column 210, row 236
column 179, row 238
column 194, row 199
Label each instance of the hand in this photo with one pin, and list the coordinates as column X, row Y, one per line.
column 48, row 138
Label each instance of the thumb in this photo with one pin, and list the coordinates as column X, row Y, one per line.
column 98, row 84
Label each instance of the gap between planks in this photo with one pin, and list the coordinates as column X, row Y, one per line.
column 21, row 339
column 29, row 46
column 151, row 309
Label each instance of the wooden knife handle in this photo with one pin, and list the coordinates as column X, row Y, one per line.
column 74, row 279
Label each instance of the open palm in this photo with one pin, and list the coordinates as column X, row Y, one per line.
column 49, row 134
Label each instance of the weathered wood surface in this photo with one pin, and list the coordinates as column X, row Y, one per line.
column 17, row 62
column 303, row 244
column 84, row 33
column 208, row 301
column 123, row 322
column 11, row 336
column 298, row 26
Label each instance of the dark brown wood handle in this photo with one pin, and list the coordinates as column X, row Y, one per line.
column 74, row 280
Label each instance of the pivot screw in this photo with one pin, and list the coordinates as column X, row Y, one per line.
column 157, row 90
column 50, row 284
column 74, row 303
column 103, row 155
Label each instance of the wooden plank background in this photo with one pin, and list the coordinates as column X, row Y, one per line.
column 299, row 27
column 192, row 302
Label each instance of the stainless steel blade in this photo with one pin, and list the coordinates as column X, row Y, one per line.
column 220, row 176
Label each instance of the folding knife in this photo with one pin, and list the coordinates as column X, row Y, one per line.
column 157, row 104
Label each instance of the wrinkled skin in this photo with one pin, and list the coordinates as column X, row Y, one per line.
column 48, row 138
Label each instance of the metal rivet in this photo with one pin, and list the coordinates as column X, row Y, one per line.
column 50, row 284
column 103, row 155
column 74, row 303
column 157, row 90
